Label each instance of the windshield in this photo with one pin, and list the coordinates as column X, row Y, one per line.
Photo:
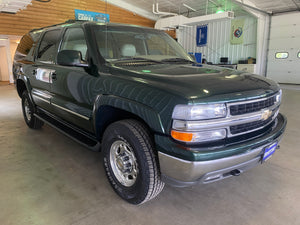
column 135, row 43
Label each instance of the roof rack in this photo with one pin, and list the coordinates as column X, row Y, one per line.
column 66, row 22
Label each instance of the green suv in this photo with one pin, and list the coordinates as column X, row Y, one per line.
column 157, row 116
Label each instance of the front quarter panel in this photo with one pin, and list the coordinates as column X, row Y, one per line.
column 150, row 116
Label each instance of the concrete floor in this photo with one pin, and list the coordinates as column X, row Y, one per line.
column 46, row 178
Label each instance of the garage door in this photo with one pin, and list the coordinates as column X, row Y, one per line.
column 284, row 49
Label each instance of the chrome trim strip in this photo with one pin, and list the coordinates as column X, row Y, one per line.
column 251, row 101
column 40, row 98
column 39, row 93
column 246, row 132
column 70, row 111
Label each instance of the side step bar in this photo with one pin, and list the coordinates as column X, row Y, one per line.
column 82, row 137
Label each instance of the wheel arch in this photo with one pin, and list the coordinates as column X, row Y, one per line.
column 109, row 109
column 21, row 85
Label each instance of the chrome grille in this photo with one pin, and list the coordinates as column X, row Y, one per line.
column 258, row 107
column 243, row 128
column 240, row 109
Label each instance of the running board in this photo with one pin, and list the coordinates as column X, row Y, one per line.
column 69, row 130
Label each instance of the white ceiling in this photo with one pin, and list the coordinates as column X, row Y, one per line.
column 201, row 7
column 204, row 7
column 13, row 6
column 277, row 6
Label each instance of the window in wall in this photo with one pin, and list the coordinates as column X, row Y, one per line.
column 48, row 47
column 74, row 40
column 281, row 55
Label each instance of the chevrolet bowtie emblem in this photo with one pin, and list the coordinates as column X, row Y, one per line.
column 266, row 114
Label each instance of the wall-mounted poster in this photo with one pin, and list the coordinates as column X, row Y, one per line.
column 237, row 31
column 91, row 16
column 201, row 37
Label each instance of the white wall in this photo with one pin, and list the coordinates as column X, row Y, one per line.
column 218, row 41
column 13, row 47
column 4, row 74
column 8, row 45
column 284, row 37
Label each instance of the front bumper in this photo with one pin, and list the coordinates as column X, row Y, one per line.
column 184, row 167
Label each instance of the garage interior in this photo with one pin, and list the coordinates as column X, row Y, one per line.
column 47, row 178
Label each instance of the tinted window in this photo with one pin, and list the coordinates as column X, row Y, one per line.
column 26, row 47
column 48, row 46
column 281, row 55
column 74, row 40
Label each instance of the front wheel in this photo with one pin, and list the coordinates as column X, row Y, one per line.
column 130, row 162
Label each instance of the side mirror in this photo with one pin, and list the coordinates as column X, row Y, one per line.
column 70, row 58
column 193, row 57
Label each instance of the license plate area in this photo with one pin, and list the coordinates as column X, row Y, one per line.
column 269, row 151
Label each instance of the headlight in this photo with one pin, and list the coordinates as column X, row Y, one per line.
column 199, row 112
column 184, row 130
column 278, row 97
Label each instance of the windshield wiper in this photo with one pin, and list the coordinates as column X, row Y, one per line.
column 177, row 60
column 137, row 58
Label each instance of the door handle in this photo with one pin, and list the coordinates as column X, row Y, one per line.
column 53, row 76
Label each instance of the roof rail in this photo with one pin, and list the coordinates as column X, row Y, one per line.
column 66, row 22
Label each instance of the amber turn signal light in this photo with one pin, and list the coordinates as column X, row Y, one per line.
column 182, row 136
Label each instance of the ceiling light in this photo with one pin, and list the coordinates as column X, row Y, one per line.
column 220, row 10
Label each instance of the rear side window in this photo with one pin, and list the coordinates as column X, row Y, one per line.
column 281, row 55
column 26, row 47
column 48, row 47
column 74, row 40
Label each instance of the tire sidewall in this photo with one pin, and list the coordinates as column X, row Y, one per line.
column 139, row 189
column 30, row 122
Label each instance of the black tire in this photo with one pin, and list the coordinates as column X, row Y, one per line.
column 144, row 182
column 28, row 110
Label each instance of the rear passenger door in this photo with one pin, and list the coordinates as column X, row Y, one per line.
column 70, row 87
column 43, row 69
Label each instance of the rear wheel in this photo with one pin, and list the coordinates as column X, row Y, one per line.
column 130, row 162
column 28, row 112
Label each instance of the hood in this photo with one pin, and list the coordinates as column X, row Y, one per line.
column 198, row 83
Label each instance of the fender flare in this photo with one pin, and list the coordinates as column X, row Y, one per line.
column 146, row 113
column 25, row 80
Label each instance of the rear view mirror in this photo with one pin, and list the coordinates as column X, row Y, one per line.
column 70, row 58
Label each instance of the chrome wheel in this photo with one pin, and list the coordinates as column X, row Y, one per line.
column 123, row 163
column 27, row 110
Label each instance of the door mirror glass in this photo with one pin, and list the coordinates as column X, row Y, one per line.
column 70, row 58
